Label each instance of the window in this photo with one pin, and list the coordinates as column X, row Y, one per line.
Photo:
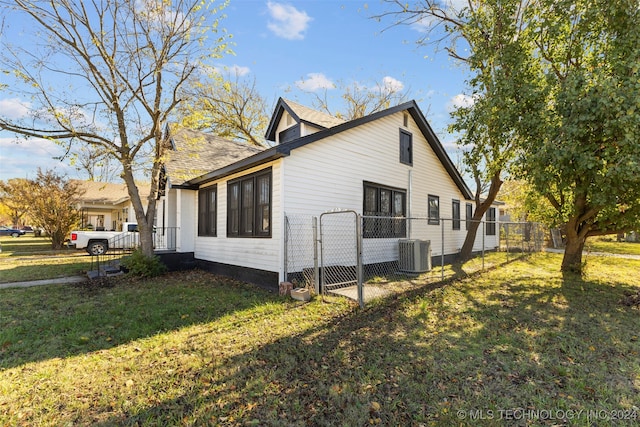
column 289, row 134
column 207, row 211
column 249, row 206
column 388, row 203
column 468, row 215
column 406, row 148
column 455, row 214
column 433, row 212
column 491, row 222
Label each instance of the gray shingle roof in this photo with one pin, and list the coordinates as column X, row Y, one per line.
column 107, row 193
column 197, row 153
column 312, row 116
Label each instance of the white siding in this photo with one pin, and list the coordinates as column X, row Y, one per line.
column 329, row 174
column 186, row 208
column 261, row 253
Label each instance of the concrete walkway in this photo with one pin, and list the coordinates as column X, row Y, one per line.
column 58, row 281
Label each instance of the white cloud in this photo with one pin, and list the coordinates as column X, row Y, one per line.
column 159, row 13
column 392, row 85
column 14, row 108
column 460, row 100
column 287, row 21
column 451, row 7
column 314, row 82
column 457, row 5
column 239, row 71
column 233, row 70
column 22, row 158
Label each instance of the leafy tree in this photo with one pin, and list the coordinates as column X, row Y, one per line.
column 233, row 110
column 584, row 154
column 524, row 203
column 53, row 202
column 5, row 217
column 122, row 64
column 12, row 197
column 486, row 37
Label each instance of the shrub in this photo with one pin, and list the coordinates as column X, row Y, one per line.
column 138, row 264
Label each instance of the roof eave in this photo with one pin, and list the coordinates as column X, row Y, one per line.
column 281, row 106
column 284, row 149
column 440, row 152
column 239, row 166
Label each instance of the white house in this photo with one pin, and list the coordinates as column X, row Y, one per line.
column 105, row 205
column 231, row 201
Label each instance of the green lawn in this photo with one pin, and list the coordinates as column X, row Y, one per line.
column 609, row 245
column 520, row 344
column 31, row 258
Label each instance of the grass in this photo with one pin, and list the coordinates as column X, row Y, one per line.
column 609, row 245
column 31, row 258
column 196, row 349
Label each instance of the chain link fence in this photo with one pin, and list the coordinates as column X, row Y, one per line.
column 365, row 258
column 301, row 251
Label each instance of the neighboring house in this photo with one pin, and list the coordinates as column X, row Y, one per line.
column 230, row 201
column 105, row 206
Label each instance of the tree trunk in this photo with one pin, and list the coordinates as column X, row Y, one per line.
column 145, row 226
column 572, row 260
column 481, row 209
column 472, row 231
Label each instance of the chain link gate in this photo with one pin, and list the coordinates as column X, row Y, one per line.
column 341, row 254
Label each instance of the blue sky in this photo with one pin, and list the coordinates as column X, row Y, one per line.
column 295, row 47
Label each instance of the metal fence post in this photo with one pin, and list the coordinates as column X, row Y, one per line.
column 484, row 229
column 286, row 247
column 316, row 267
column 442, row 249
column 506, row 238
column 360, row 283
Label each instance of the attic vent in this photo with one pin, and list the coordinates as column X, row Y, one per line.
column 405, row 120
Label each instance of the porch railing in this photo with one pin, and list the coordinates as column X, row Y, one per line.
column 121, row 245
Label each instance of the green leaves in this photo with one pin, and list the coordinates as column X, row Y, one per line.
column 585, row 152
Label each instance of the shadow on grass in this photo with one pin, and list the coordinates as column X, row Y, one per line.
column 46, row 322
column 432, row 356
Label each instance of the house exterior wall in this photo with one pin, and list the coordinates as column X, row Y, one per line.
column 110, row 217
column 287, row 122
column 330, row 175
column 186, row 207
column 259, row 253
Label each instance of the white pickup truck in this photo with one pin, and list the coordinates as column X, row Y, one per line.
column 99, row 242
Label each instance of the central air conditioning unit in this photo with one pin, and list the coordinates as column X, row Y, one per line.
column 414, row 255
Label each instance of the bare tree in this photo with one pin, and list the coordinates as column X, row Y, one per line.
column 233, row 109
column 360, row 100
column 108, row 76
column 95, row 164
